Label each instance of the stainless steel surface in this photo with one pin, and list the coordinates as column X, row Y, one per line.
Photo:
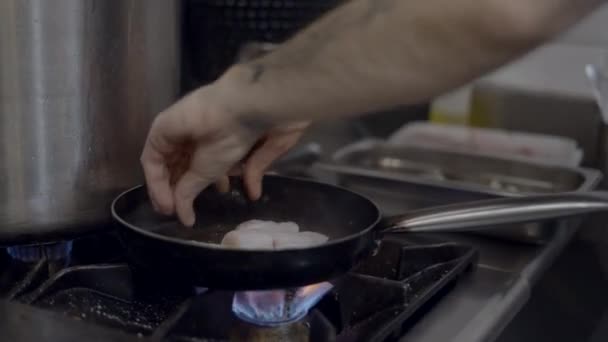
column 478, row 173
column 489, row 213
column 419, row 181
column 80, row 81
column 599, row 86
column 475, row 311
column 483, row 301
column 568, row 301
column 507, row 278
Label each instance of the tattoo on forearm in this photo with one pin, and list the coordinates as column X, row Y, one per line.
column 377, row 7
column 257, row 70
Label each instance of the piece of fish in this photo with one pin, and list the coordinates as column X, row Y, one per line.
column 298, row 240
column 248, row 240
column 315, row 237
column 262, row 235
column 269, row 226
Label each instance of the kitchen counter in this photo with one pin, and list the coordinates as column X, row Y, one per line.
column 477, row 309
column 27, row 324
column 484, row 302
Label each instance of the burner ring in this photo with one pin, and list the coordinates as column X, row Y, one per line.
column 245, row 317
column 272, row 308
column 55, row 251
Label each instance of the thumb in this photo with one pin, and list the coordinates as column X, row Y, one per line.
column 186, row 190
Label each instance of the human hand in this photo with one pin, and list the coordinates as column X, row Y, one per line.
column 197, row 141
column 270, row 147
column 189, row 146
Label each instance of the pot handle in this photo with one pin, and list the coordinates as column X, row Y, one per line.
column 486, row 214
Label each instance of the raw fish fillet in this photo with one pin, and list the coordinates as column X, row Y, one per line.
column 248, row 240
column 298, row 240
column 269, row 235
column 269, row 226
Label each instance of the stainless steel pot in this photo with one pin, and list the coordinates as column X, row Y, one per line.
column 80, row 81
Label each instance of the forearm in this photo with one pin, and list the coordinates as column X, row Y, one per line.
column 373, row 54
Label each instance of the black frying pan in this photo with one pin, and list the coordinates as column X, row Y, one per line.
column 353, row 223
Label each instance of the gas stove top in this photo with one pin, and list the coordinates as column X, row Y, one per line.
column 89, row 280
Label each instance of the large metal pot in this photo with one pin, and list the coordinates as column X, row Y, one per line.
column 80, row 81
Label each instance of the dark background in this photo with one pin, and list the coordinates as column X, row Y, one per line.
column 214, row 31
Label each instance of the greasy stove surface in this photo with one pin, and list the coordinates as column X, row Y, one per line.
column 96, row 291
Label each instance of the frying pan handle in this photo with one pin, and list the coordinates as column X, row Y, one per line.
column 485, row 214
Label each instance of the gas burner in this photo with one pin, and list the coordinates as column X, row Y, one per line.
column 277, row 307
column 378, row 300
column 56, row 251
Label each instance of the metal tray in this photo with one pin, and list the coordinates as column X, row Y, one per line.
column 407, row 178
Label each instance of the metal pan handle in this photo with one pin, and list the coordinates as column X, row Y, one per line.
column 486, row 214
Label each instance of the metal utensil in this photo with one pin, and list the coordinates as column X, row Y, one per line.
column 488, row 214
column 161, row 246
column 599, row 86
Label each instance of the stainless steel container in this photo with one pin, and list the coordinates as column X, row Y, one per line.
column 412, row 178
column 80, row 81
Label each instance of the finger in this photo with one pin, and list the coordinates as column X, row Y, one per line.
column 168, row 130
column 155, row 206
column 258, row 162
column 186, row 190
column 157, row 179
column 236, row 170
column 223, row 184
